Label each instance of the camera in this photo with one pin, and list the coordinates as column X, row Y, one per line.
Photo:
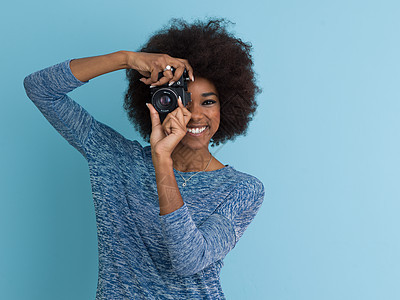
column 164, row 98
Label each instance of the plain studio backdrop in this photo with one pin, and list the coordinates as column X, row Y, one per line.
column 325, row 143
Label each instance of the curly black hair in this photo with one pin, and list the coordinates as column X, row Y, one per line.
column 214, row 54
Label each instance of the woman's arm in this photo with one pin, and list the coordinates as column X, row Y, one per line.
column 192, row 248
column 87, row 68
column 48, row 88
column 148, row 64
column 163, row 139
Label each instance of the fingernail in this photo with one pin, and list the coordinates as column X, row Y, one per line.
column 179, row 99
column 152, row 86
column 192, row 77
column 147, row 104
column 171, row 83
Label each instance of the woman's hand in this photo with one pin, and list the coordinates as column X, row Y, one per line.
column 150, row 64
column 147, row 64
column 166, row 136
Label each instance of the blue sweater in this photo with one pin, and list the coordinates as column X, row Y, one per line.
column 143, row 255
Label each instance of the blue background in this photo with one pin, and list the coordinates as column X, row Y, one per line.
column 325, row 142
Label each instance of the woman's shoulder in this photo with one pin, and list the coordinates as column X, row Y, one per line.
column 248, row 187
column 246, row 179
column 239, row 182
column 246, row 194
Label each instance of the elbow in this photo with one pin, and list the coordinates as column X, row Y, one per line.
column 184, row 270
column 189, row 265
column 28, row 85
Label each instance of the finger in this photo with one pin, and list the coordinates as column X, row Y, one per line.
column 154, row 116
column 173, row 121
column 145, row 73
column 175, row 126
column 168, row 74
column 180, row 111
column 179, row 115
column 166, row 126
column 180, row 104
column 145, row 80
column 154, row 74
column 179, row 68
column 185, row 112
column 163, row 80
column 167, row 121
column 167, row 130
column 164, row 68
column 189, row 68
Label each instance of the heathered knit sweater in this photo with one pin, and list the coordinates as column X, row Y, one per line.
column 143, row 255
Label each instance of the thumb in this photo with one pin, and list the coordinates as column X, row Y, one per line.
column 154, row 116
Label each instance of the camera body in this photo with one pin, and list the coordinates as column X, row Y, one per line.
column 164, row 98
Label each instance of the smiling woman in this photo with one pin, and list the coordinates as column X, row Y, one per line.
column 167, row 214
column 203, row 124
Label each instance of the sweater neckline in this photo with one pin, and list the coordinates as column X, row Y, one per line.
column 224, row 169
column 227, row 168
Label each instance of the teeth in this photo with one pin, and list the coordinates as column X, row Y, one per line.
column 196, row 130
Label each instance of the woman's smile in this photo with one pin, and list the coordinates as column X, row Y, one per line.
column 196, row 131
column 205, row 114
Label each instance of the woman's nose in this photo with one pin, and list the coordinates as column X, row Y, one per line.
column 194, row 109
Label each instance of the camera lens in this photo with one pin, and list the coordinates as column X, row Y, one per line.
column 165, row 100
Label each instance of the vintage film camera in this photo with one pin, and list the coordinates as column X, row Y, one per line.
column 164, row 98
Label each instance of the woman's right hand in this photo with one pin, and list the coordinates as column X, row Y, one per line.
column 151, row 64
column 147, row 64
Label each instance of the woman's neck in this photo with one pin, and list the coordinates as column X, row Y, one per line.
column 191, row 160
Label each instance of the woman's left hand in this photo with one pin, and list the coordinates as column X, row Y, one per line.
column 166, row 136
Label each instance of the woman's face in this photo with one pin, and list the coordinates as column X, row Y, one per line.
column 205, row 110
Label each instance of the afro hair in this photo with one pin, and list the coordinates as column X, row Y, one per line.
column 214, row 54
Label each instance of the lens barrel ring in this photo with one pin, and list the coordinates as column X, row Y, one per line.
column 165, row 100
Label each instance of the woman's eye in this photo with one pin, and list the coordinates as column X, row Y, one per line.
column 208, row 102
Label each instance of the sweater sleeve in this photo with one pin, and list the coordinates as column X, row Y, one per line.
column 192, row 248
column 47, row 89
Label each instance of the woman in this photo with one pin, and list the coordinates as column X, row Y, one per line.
column 167, row 214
